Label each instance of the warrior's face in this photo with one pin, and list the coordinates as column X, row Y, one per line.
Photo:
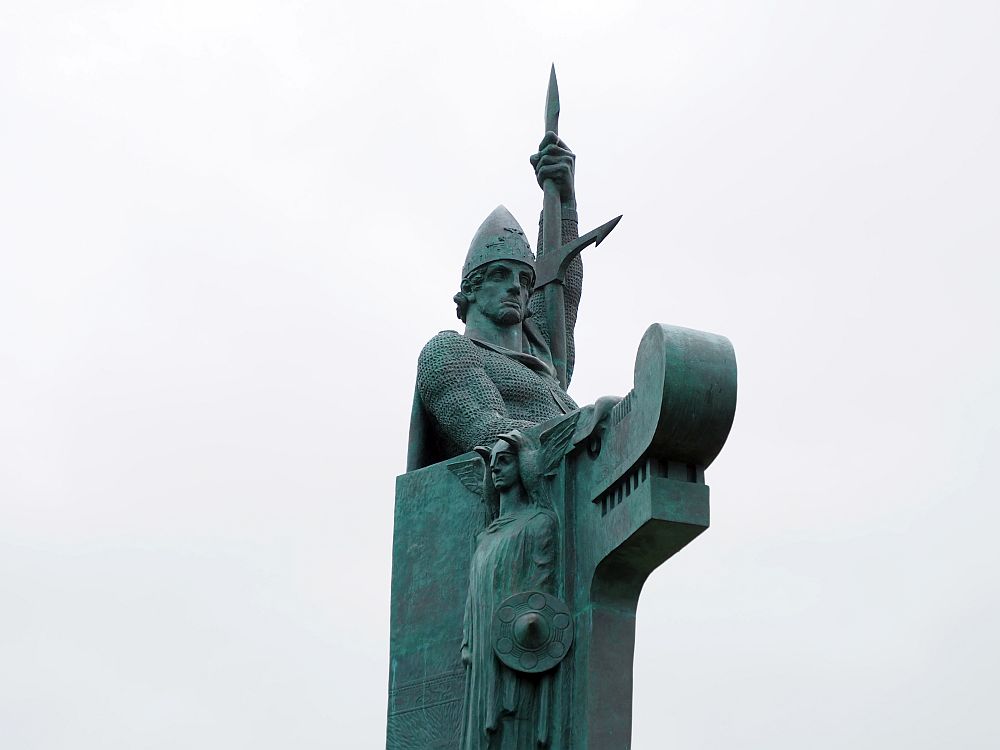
column 503, row 466
column 503, row 295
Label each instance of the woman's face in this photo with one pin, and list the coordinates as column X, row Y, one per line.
column 503, row 467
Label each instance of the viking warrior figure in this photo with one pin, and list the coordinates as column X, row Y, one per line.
column 499, row 374
column 510, row 707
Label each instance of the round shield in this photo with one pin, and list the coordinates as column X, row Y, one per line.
column 532, row 631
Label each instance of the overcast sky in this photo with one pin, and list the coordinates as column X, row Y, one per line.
column 227, row 229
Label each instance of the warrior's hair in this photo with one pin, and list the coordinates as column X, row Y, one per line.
column 470, row 283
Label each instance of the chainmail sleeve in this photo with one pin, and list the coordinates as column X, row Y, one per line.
column 572, row 289
column 456, row 391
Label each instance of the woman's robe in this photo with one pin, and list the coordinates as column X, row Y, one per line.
column 504, row 709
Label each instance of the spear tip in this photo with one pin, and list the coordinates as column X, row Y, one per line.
column 552, row 103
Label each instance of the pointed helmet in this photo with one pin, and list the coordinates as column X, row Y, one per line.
column 500, row 237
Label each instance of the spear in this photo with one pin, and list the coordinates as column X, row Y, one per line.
column 550, row 272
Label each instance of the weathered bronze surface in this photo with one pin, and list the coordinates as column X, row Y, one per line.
column 525, row 526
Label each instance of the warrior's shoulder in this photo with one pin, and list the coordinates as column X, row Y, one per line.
column 448, row 347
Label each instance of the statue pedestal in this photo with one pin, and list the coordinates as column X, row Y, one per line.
column 628, row 498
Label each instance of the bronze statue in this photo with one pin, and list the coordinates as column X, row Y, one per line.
column 499, row 375
column 514, row 595
column 509, row 678
column 517, row 552
column 512, row 366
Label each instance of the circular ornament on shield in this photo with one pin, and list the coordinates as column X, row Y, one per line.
column 532, row 631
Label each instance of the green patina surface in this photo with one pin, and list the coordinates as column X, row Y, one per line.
column 525, row 527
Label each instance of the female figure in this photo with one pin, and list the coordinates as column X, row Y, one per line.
column 516, row 552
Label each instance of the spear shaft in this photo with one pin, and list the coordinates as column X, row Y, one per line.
column 554, row 257
column 555, row 303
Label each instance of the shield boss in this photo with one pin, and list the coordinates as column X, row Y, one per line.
column 532, row 631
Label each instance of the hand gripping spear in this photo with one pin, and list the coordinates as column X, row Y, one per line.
column 550, row 269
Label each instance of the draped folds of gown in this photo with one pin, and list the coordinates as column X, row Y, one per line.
column 504, row 709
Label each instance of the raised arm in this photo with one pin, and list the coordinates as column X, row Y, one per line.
column 555, row 161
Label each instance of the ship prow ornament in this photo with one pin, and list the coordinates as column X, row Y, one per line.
column 526, row 526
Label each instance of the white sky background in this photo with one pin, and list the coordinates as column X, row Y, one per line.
column 226, row 230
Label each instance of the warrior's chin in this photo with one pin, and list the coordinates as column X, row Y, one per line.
column 509, row 316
